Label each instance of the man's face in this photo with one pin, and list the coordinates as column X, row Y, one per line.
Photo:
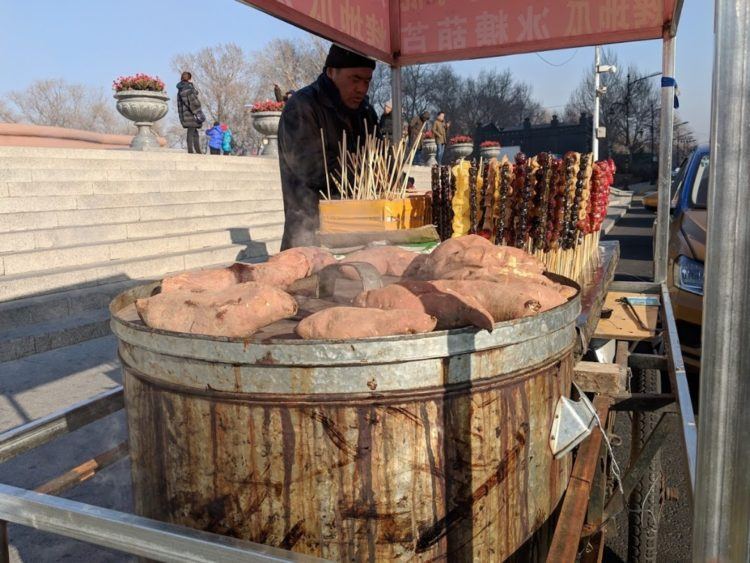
column 352, row 84
column 441, row 117
column 388, row 109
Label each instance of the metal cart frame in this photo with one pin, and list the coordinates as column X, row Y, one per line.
column 722, row 499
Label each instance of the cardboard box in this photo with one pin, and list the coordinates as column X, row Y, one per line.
column 349, row 215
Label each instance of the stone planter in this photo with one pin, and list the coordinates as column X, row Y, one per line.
column 143, row 107
column 267, row 124
column 429, row 150
column 461, row 150
column 488, row 153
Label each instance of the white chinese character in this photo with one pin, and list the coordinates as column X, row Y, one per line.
column 451, row 33
column 532, row 25
column 613, row 15
column 351, row 19
column 491, row 29
column 322, row 11
column 375, row 31
column 413, row 38
column 646, row 13
column 579, row 20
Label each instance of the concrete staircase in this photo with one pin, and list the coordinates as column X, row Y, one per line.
column 79, row 226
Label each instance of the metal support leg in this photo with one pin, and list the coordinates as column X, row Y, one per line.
column 721, row 525
column 661, row 238
column 397, row 101
column 4, row 547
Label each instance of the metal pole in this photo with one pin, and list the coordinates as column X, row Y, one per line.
column 661, row 237
column 595, row 117
column 721, row 525
column 397, row 101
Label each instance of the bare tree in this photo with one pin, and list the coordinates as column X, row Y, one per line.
column 7, row 115
column 59, row 103
column 289, row 63
column 224, row 77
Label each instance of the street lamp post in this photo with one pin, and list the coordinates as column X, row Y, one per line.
column 599, row 90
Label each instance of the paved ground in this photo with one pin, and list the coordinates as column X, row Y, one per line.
column 35, row 386
column 634, row 233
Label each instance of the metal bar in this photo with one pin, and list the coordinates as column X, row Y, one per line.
column 84, row 471
column 663, row 402
column 567, row 534
column 397, row 103
column 661, row 237
column 595, row 116
column 648, row 361
column 679, row 383
column 635, row 287
column 637, row 468
column 721, row 525
column 132, row 534
column 21, row 439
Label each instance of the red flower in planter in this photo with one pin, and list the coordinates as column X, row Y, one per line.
column 490, row 144
column 461, row 139
column 266, row 106
column 138, row 81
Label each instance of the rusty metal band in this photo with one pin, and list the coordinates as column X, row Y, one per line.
column 373, row 398
column 360, row 378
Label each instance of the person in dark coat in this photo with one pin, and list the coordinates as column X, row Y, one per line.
column 189, row 111
column 385, row 125
column 336, row 102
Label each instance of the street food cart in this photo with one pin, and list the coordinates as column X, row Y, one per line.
column 410, row 32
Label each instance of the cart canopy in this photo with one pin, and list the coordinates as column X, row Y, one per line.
column 404, row 32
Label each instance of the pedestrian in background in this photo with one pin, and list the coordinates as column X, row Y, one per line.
column 215, row 138
column 189, row 111
column 226, row 142
column 415, row 127
column 440, row 133
column 279, row 96
column 385, row 125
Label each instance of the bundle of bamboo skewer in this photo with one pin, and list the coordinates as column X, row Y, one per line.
column 377, row 169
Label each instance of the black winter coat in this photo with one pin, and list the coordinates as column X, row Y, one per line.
column 188, row 104
column 314, row 107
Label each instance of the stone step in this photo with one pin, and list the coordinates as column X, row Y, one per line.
column 33, row 339
column 42, row 309
column 36, row 283
column 118, row 154
column 149, row 199
column 8, row 163
column 81, row 255
column 67, row 218
column 261, row 181
column 22, row 241
column 104, row 174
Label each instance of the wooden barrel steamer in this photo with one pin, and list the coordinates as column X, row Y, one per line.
column 421, row 448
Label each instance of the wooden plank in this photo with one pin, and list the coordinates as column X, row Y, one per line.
column 623, row 324
column 595, row 377
column 575, row 504
column 83, row 472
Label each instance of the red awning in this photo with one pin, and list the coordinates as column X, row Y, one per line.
column 403, row 32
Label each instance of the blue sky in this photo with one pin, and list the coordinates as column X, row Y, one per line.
column 94, row 41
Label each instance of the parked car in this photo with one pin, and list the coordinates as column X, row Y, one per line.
column 650, row 199
column 687, row 251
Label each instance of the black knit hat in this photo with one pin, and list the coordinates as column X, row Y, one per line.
column 338, row 57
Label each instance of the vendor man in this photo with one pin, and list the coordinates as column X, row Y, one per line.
column 336, row 102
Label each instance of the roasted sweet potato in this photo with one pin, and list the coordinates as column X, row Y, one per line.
column 203, row 280
column 316, row 259
column 473, row 251
column 451, row 309
column 388, row 260
column 505, row 302
column 347, row 323
column 236, row 311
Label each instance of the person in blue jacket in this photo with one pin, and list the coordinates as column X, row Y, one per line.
column 226, row 143
column 215, row 138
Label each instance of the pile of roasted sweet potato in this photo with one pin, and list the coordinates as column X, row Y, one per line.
column 465, row 281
